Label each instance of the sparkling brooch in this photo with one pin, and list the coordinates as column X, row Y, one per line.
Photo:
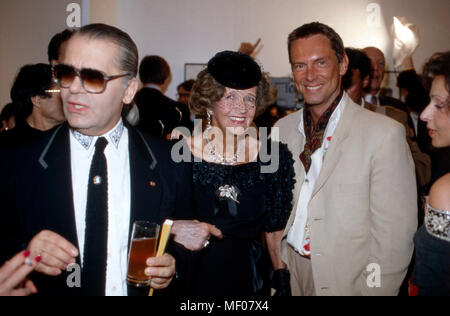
column 228, row 192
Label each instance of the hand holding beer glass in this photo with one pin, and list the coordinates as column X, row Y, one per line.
column 144, row 244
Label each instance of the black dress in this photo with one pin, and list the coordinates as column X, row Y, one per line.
column 238, row 265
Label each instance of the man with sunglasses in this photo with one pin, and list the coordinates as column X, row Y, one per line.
column 49, row 202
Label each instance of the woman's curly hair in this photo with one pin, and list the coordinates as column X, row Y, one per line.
column 207, row 91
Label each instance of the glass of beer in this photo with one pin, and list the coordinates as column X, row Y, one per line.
column 144, row 242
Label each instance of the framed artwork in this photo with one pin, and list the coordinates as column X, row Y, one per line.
column 287, row 94
column 191, row 70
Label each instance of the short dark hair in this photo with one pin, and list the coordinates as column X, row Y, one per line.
column 437, row 65
column 417, row 97
column 314, row 28
column 186, row 85
column 129, row 57
column 31, row 81
column 7, row 113
column 409, row 80
column 57, row 40
column 154, row 69
column 357, row 59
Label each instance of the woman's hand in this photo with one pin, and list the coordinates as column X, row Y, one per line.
column 194, row 235
column 13, row 275
column 249, row 48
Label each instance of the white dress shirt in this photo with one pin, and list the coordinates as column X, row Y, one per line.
column 374, row 99
column 297, row 236
column 82, row 149
column 363, row 103
column 415, row 119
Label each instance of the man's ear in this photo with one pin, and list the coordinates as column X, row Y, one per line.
column 343, row 65
column 366, row 81
column 36, row 100
column 131, row 90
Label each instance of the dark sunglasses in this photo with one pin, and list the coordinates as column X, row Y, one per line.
column 93, row 81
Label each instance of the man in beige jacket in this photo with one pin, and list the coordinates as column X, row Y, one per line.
column 352, row 225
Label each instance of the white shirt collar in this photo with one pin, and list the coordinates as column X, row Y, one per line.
column 368, row 98
column 363, row 102
column 301, row 125
column 113, row 136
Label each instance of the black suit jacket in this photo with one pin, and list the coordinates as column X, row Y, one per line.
column 158, row 114
column 38, row 196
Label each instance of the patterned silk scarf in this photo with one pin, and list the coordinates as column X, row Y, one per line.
column 315, row 133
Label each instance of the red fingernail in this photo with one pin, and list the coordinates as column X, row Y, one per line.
column 38, row 259
column 26, row 254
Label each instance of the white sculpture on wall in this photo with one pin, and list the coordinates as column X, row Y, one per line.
column 406, row 40
column 374, row 17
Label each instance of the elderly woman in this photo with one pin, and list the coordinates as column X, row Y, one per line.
column 235, row 189
column 432, row 271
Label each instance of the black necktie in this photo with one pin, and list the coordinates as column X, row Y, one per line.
column 93, row 276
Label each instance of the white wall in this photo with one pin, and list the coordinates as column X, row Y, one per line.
column 102, row 11
column 192, row 31
column 26, row 28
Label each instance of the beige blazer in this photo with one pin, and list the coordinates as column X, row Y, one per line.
column 422, row 161
column 364, row 206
